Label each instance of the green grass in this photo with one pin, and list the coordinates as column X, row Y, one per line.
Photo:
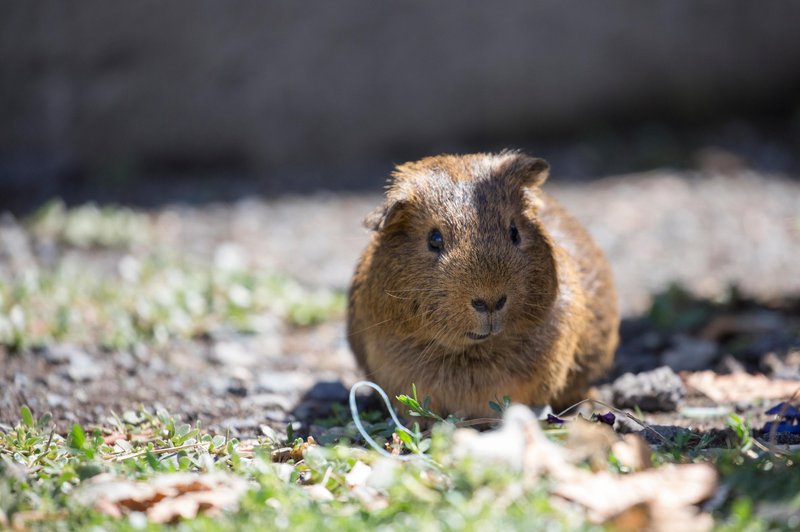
column 44, row 471
column 90, row 226
column 43, row 475
column 146, row 294
column 164, row 299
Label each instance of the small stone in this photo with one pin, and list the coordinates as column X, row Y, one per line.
column 234, row 354
column 60, row 353
column 278, row 416
column 21, row 381
column 237, row 389
column 82, row 367
column 54, row 400
column 262, row 400
column 242, row 424
column 286, row 382
column 657, row 390
column 690, row 354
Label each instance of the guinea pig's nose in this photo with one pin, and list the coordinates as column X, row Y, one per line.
column 482, row 306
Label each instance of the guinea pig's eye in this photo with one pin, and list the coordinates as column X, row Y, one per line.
column 514, row 234
column 435, row 241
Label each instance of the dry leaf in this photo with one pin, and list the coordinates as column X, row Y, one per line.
column 740, row 386
column 519, row 443
column 633, row 452
column 165, row 498
column 671, row 488
column 637, row 517
column 281, row 455
column 589, row 440
column 295, row 453
column 24, row 521
column 654, row 499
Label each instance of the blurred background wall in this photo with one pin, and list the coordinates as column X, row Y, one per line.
column 298, row 96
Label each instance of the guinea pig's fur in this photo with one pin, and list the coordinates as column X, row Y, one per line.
column 515, row 298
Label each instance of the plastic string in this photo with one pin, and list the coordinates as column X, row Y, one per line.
column 362, row 430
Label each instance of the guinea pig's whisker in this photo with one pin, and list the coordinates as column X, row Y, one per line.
column 417, row 290
column 428, row 352
column 433, row 340
column 396, row 296
column 390, row 320
column 353, row 333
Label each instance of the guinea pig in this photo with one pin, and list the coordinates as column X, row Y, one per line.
column 476, row 284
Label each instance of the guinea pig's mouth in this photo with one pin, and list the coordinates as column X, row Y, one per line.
column 477, row 337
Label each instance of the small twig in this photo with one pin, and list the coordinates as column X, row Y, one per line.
column 615, row 409
column 464, row 423
column 790, row 450
column 479, row 421
column 120, row 457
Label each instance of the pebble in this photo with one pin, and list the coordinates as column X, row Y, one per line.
column 657, row 390
column 234, row 354
column 55, row 400
column 83, row 367
column 58, row 353
column 286, row 382
column 263, row 400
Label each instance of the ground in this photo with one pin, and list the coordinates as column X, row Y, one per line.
column 230, row 316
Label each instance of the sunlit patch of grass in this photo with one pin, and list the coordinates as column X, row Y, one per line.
column 153, row 299
column 90, row 226
column 153, row 295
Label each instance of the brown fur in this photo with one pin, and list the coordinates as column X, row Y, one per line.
column 411, row 308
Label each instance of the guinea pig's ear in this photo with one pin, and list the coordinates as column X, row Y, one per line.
column 384, row 215
column 526, row 171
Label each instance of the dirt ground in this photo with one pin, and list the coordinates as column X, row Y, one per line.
column 706, row 232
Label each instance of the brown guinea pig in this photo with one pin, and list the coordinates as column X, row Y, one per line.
column 477, row 285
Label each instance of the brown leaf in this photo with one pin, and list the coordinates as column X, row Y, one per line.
column 165, row 498
column 300, row 451
column 633, row 452
column 740, row 386
column 589, row 440
column 667, row 489
column 281, row 455
column 295, row 453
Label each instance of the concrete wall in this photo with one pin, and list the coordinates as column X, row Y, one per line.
column 264, row 86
